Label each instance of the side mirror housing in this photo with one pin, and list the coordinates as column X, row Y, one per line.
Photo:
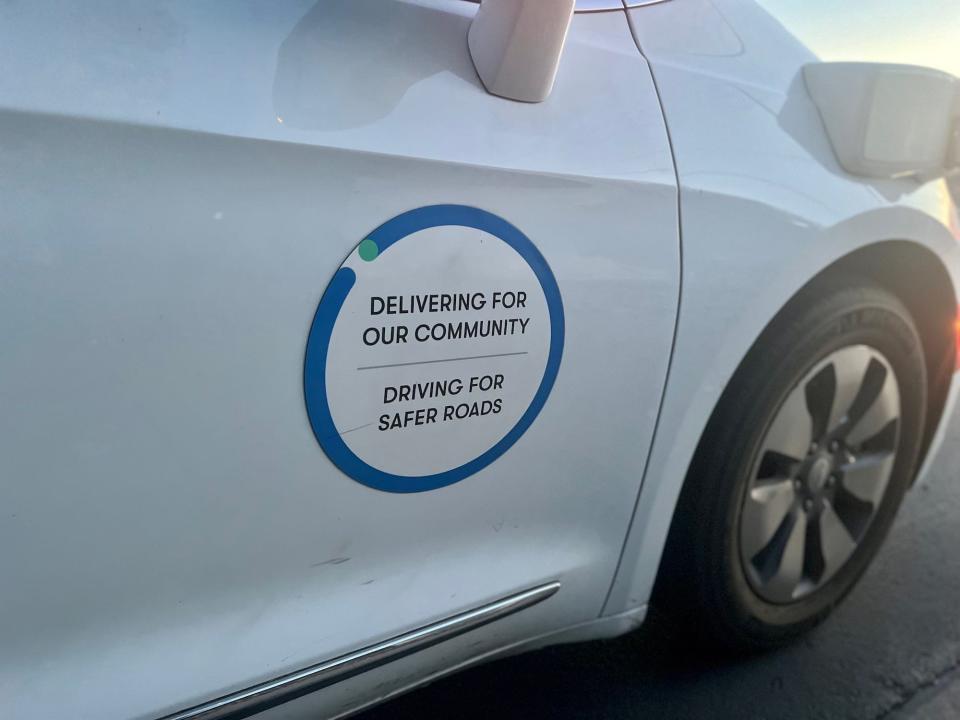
column 516, row 45
column 888, row 121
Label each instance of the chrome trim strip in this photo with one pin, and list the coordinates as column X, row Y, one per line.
column 289, row 687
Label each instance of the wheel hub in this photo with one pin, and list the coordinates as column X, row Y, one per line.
column 818, row 474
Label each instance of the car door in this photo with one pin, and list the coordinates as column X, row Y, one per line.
column 182, row 186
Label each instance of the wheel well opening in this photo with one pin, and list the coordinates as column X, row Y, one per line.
column 919, row 279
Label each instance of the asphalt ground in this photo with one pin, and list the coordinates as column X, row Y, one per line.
column 891, row 651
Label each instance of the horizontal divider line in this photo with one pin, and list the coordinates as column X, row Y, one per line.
column 429, row 362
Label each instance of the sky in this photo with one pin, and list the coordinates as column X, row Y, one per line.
column 917, row 32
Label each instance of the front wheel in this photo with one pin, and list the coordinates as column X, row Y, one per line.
column 801, row 470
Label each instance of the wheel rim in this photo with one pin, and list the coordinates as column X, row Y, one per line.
column 821, row 474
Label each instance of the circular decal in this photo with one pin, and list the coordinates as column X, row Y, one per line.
column 433, row 349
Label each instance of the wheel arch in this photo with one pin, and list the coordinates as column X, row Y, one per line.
column 892, row 262
column 919, row 279
column 898, row 266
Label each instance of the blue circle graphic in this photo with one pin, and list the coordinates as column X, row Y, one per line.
column 318, row 341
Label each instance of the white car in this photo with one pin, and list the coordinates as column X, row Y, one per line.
column 349, row 343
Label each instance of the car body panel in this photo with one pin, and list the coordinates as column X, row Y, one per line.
column 179, row 184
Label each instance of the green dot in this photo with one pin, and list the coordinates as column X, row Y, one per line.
column 368, row 250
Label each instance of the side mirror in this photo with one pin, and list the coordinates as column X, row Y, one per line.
column 887, row 121
column 516, row 45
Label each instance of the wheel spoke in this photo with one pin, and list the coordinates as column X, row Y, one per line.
column 876, row 405
column 764, row 511
column 791, row 433
column 780, row 563
column 819, row 394
column 854, row 513
column 835, row 541
column 850, row 368
column 866, row 477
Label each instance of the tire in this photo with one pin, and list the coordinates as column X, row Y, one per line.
column 714, row 582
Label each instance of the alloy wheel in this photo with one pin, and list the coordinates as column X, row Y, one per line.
column 821, row 474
